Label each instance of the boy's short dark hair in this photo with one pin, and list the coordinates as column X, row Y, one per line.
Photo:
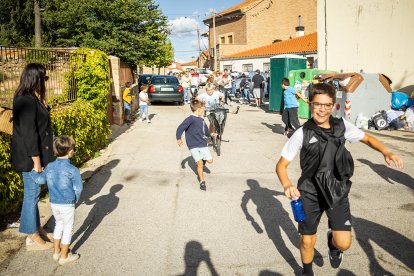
column 323, row 89
column 128, row 84
column 196, row 104
column 63, row 144
column 285, row 81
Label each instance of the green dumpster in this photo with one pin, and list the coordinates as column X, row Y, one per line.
column 300, row 80
column 280, row 66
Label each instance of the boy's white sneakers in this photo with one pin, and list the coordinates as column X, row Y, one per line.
column 71, row 258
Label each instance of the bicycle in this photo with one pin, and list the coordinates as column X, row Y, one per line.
column 218, row 116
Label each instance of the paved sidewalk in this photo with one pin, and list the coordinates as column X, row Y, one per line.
column 142, row 212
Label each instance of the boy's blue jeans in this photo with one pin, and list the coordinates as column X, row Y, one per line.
column 143, row 109
column 186, row 95
column 246, row 94
column 29, row 218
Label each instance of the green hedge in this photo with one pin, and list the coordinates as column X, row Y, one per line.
column 88, row 126
column 11, row 188
column 85, row 120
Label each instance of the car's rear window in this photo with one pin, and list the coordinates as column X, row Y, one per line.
column 145, row 79
column 165, row 80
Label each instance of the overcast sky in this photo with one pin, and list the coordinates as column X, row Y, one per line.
column 185, row 17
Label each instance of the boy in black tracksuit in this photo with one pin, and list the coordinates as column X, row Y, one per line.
column 326, row 169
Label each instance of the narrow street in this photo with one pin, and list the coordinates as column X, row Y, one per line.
column 142, row 212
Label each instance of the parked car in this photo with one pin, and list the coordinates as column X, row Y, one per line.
column 165, row 88
column 144, row 79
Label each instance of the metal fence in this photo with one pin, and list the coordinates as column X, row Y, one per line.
column 61, row 86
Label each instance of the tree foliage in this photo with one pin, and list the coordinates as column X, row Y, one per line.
column 134, row 30
column 16, row 22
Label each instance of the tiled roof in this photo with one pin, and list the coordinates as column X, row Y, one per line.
column 190, row 63
column 238, row 7
column 303, row 44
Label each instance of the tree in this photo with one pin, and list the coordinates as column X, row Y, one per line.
column 134, row 30
column 16, row 23
column 165, row 56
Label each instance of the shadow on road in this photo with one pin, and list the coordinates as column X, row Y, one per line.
column 102, row 206
column 193, row 256
column 345, row 272
column 276, row 128
column 192, row 164
column 151, row 116
column 400, row 247
column 274, row 218
column 389, row 174
column 269, row 273
column 100, row 176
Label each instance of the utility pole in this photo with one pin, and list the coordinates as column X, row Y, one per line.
column 38, row 24
column 199, row 48
column 214, row 39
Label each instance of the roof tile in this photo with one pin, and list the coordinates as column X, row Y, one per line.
column 303, row 44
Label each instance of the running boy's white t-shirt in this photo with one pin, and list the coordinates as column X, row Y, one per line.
column 295, row 143
column 144, row 96
column 211, row 100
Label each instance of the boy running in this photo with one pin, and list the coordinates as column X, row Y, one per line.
column 196, row 137
column 326, row 169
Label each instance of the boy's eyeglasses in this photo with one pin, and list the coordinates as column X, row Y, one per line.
column 328, row 106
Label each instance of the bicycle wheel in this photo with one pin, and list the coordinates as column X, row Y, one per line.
column 218, row 145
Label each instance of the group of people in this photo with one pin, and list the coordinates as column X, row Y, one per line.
column 225, row 83
column 143, row 102
column 326, row 166
column 43, row 159
column 324, row 185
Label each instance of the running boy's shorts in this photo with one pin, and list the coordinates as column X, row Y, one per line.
column 339, row 217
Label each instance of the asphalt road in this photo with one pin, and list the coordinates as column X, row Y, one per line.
column 142, row 212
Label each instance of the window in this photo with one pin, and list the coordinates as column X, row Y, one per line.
column 247, row 67
column 222, row 39
column 212, row 52
column 266, row 67
column 230, row 39
column 228, row 67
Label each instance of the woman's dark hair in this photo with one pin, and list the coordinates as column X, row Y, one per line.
column 323, row 89
column 32, row 80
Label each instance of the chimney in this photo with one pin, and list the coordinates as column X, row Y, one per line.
column 300, row 30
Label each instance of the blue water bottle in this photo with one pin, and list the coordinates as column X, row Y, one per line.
column 297, row 208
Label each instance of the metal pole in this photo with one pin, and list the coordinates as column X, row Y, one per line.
column 38, row 26
column 199, row 48
column 214, row 41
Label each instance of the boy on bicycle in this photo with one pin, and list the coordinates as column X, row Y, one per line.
column 196, row 138
column 211, row 98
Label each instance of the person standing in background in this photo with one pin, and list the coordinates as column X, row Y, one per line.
column 186, row 83
column 127, row 99
column 258, row 82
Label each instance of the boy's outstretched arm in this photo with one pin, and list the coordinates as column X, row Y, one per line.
column 378, row 146
column 281, row 171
